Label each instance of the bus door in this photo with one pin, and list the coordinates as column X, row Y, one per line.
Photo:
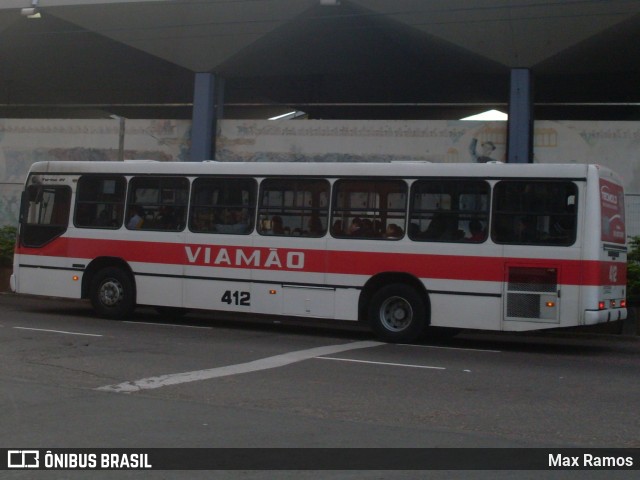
column 294, row 284
column 293, row 215
column 155, row 223
column 219, row 252
column 219, row 270
column 536, row 222
column 42, row 264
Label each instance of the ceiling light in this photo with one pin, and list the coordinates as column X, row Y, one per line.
column 288, row 115
column 488, row 116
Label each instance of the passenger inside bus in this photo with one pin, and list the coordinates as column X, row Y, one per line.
column 315, row 226
column 476, row 231
column 137, row 218
column 355, row 229
column 231, row 221
column 274, row 227
column 437, row 227
column 368, row 230
column 393, row 231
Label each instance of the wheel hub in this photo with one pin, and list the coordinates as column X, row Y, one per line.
column 111, row 292
column 396, row 314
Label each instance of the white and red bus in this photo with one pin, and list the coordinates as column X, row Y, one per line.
column 400, row 246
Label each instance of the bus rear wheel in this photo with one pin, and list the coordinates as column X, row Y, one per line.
column 112, row 293
column 397, row 313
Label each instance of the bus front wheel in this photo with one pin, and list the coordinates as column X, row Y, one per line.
column 397, row 313
column 112, row 293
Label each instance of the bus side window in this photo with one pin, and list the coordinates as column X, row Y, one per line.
column 449, row 210
column 293, row 207
column 223, row 205
column 369, row 209
column 157, row 203
column 100, row 201
column 534, row 212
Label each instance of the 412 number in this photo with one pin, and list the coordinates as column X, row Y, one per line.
column 242, row 299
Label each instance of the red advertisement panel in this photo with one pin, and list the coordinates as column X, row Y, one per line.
column 612, row 209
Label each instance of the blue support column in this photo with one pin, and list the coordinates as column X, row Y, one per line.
column 219, row 100
column 203, row 126
column 520, row 134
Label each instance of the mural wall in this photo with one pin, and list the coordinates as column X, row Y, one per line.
column 613, row 144
column 377, row 141
column 24, row 141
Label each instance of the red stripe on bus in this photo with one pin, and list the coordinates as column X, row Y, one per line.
column 445, row 267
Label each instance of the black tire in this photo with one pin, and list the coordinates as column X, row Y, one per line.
column 112, row 293
column 397, row 313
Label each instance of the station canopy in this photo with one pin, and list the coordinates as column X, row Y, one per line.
column 331, row 59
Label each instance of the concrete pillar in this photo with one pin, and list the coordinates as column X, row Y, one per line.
column 520, row 127
column 204, row 125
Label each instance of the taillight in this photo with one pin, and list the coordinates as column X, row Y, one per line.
column 601, row 305
column 623, row 304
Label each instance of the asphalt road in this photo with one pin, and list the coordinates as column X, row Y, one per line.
column 68, row 379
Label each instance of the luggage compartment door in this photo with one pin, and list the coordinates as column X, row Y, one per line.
column 531, row 295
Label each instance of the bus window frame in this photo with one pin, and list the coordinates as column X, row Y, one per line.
column 123, row 203
column 526, row 216
column 376, row 215
column 263, row 225
column 252, row 207
column 450, row 214
column 130, row 205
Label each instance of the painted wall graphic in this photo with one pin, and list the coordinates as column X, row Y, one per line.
column 24, row 141
column 612, row 144
column 355, row 140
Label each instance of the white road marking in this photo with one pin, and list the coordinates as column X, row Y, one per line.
column 166, row 325
column 381, row 363
column 449, row 348
column 58, row 331
column 256, row 365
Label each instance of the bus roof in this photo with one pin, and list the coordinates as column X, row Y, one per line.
column 324, row 169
